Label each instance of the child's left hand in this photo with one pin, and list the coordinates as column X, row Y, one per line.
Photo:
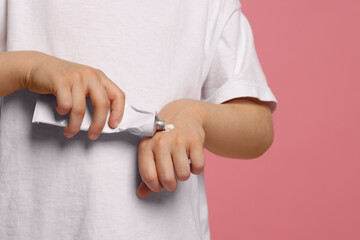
column 165, row 156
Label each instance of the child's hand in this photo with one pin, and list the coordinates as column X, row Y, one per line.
column 71, row 83
column 167, row 151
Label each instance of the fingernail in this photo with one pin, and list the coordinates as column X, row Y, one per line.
column 93, row 136
column 68, row 135
column 116, row 123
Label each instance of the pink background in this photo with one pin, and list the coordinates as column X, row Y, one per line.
column 306, row 186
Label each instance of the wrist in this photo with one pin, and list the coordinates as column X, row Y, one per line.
column 14, row 68
column 29, row 60
column 195, row 108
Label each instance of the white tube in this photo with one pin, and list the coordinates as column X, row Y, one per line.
column 135, row 121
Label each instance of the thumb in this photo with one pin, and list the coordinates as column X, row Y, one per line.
column 143, row 190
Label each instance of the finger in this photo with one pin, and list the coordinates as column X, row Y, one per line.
column 147, row 168
column 197, row 158
column 63, row 98
column 181, row 163
column 77, row 111
column 164, row 167
column 117, row 100
column 100, row 101
column 143, row 190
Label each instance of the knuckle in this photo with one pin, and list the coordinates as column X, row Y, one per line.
column 79, row 110
column 197, row 166
column 200, row 164
column 98, row 71
column 167, row 180
column 76, row 76
column 65, row 104
column 149, row 177
column 178, row 141
column 160, row 143
column 92, row 72
column 60, row 79
column 193, row 139
column 102, row 103
column 142, row 146
column 121, row 94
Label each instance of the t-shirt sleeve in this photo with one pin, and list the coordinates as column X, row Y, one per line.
column 235, row 70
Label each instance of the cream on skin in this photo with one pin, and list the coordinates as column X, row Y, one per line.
column 169, row 127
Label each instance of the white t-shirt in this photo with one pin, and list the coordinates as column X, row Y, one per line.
column 157, row 51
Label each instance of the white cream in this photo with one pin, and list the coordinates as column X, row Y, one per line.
column 169, row 127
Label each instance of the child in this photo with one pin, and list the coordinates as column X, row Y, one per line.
column 194, row 62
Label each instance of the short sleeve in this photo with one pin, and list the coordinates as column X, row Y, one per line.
column 235, row 70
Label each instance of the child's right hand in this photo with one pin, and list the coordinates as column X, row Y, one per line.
column 71, row 83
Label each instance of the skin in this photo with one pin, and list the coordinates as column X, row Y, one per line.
column 241, row 128
column 70, row 82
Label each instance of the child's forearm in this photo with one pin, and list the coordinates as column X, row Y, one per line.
column 239, row 128
column 13, row 70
